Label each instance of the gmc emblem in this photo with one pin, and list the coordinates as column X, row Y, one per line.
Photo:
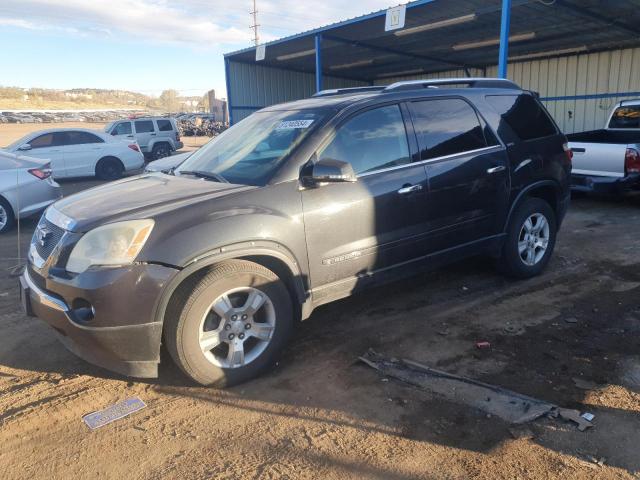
column 42, row 235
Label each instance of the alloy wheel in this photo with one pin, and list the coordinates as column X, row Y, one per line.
column 4, row 217
column 237, row 327
column 533, row 240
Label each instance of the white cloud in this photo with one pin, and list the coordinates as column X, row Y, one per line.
column 201, row 24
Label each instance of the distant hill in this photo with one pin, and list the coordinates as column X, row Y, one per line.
column 16, row 98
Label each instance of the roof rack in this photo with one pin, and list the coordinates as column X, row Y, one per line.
column 341, row 91
column 470, row 82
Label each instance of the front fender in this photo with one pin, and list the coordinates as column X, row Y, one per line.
column 251, row 250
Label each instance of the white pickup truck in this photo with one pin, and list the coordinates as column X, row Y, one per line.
column 608, row 160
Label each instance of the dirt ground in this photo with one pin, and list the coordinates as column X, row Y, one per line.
column 10, row 132
column 321, row 414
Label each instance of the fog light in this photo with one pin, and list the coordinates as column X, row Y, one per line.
column 82, row 311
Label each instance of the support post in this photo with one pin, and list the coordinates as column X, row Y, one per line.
column 228, row 84
column 505, row 25
column 318, row 62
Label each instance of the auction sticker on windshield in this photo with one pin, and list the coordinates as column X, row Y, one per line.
column 294, row 124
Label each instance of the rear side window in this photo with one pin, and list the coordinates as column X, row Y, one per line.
column 626, row 117
column 446, row 127
column 144, row 126
column 79, row 138
column 526, row 117
column 123, row 128
column 372, row 140
column 164, row 125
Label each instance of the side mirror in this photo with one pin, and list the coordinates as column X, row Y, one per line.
column 114, row 132
column 329, row 170
column 25, row 147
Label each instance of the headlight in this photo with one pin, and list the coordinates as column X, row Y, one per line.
column 113, row 244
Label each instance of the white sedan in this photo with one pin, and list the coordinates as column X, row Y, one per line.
column 77, row 152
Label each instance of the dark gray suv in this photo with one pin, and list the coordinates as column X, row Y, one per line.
column 297, row 205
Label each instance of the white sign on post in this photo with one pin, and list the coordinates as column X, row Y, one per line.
column 395, row 18
column 261, row 52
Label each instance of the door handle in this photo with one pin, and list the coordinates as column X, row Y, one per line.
column 579, row 150
column 499, row 168
column 410, row 189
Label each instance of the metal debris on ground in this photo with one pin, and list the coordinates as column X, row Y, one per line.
column 506, row 404
column 114, row 412
column 483, row 345
column 571, row 320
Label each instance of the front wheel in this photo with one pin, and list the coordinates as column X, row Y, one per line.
column 230, row 325
column 531, row 238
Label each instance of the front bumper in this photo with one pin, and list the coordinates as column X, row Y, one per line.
column 120, row 333
column 605, row 185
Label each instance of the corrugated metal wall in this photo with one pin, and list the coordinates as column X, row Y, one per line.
column 609, row 76
column 603, row 74
column 255, row 86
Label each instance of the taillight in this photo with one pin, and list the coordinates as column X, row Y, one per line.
column 42, row 173
column 632, row 161
column 177, row 136
column 568, row 152
column 135, row 147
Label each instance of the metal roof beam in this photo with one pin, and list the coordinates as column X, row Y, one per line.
column 357, row 43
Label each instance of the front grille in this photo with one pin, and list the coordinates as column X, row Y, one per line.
column 46, row 237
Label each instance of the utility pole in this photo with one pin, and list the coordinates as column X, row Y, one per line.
column 254, row 27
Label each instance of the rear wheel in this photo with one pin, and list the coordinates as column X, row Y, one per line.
column 7, row 218
column 230, row 325
column 531, row 238
column 160, row 150
column 109, row 168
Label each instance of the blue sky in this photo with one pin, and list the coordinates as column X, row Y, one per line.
column 144, row 45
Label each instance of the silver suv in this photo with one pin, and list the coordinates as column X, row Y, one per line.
column 157, row 137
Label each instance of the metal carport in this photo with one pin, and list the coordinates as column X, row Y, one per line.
column 446, row 38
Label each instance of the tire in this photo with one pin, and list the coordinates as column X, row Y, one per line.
column 109, row 168
column 7, row 218
column 261, row 336
column 524, row 254
column 161, row 150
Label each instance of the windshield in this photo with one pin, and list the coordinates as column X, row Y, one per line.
column 107, row 129
column 250, row 152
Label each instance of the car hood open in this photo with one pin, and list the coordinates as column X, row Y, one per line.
column 143, row 196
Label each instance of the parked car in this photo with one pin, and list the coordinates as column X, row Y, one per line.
column 26, row 188
column 608, row 160
column 157, row 137
column 76, row 152
column 167, row 164
column 296, row 206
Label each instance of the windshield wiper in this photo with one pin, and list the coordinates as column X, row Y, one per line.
column 216, row 177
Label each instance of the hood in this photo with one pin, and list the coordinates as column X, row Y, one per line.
column 143, row 196
column 167, row 163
